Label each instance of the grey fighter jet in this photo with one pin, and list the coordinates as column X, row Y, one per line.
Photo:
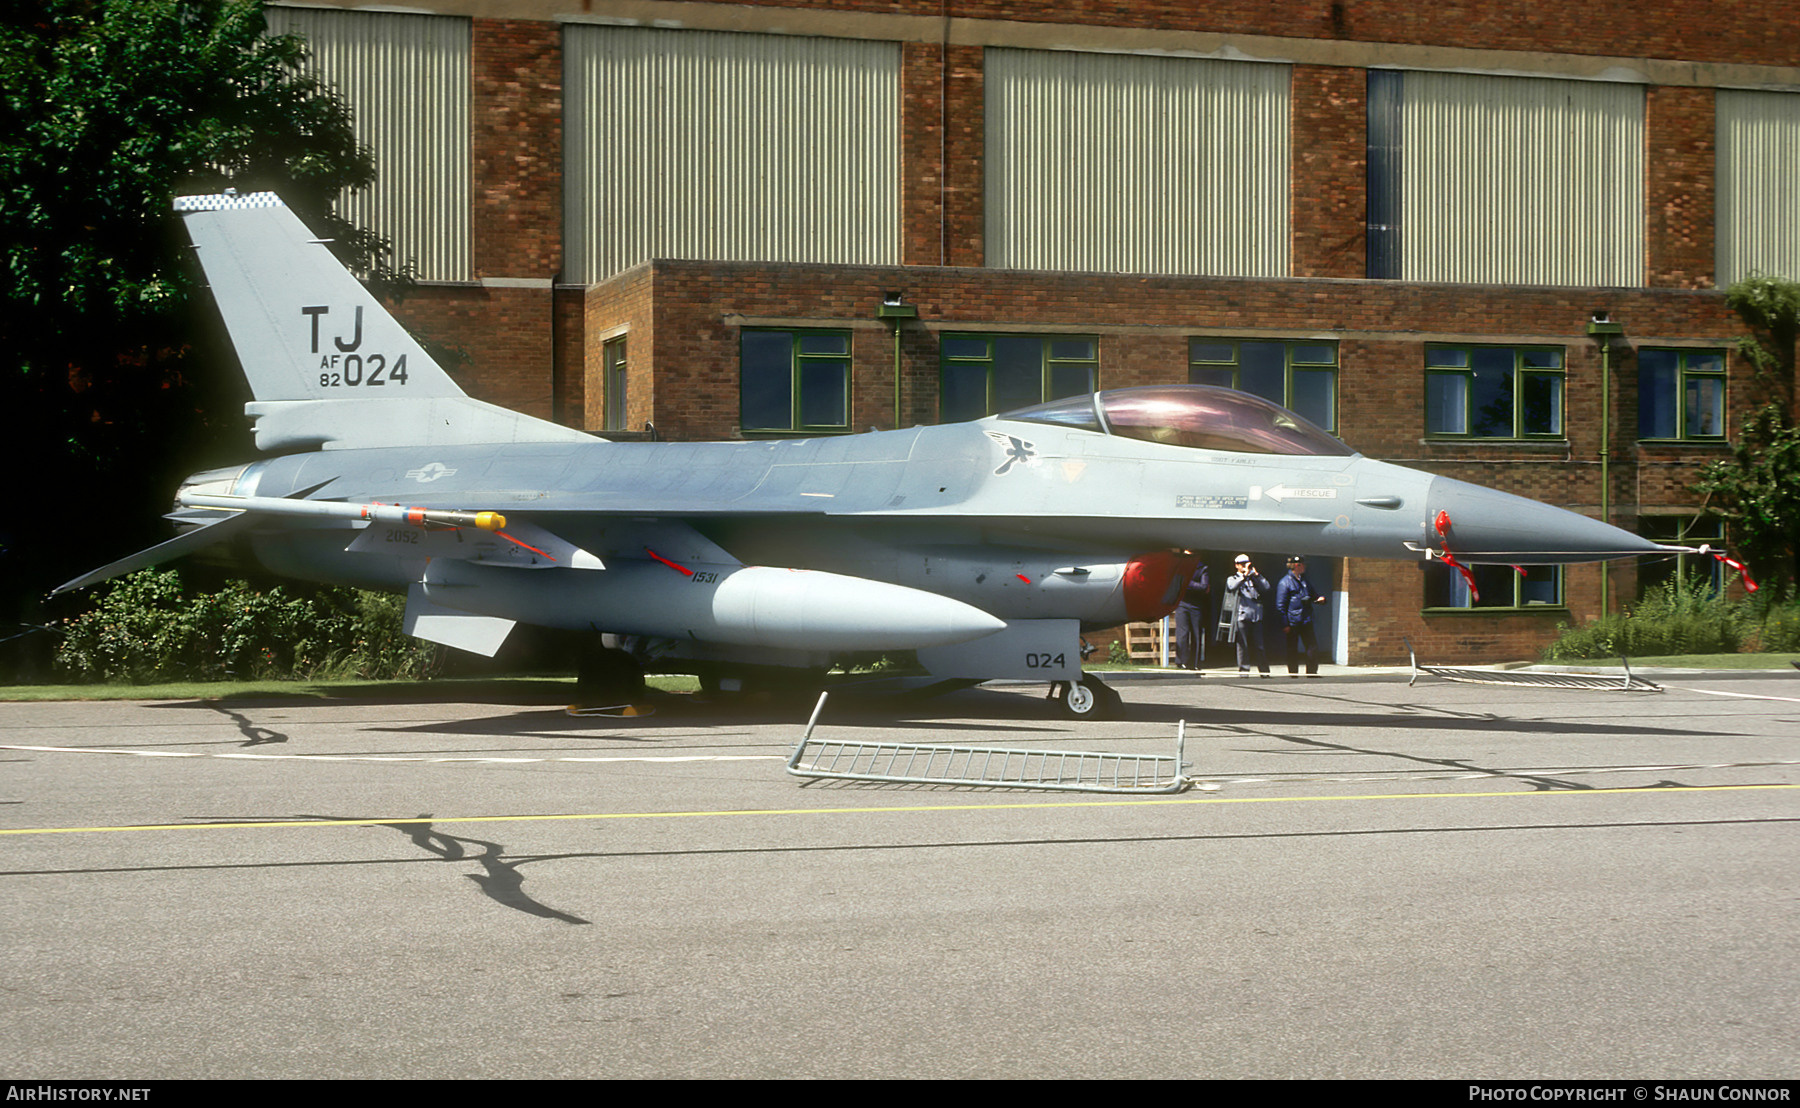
column 983, row 548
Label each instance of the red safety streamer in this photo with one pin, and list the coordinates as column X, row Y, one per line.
column 685, row 571
column 526, row 545
column 1442, row 523
column 1749, row 582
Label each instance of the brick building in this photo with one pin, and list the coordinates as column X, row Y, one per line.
column 1401, row 220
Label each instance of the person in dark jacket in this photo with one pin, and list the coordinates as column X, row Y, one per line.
column 1190, row 619
column 1294, row 600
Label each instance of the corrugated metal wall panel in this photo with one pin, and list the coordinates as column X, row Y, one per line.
column 406, row 79
column 1758, row 184
column 1522, row 181
column 1386, row 140
column 1129, row 164
column 733, row 147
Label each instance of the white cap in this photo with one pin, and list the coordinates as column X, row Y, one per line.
column 1241, row 559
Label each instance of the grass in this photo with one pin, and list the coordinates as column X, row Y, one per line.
column 1692, row 661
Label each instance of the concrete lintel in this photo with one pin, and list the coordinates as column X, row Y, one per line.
column 691, row 15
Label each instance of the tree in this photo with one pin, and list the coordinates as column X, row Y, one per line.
column 113, row 385
column 1770, row 306
column 1757, row 492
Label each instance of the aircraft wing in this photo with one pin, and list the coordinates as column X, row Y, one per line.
column 217, row 531
column 627, row 503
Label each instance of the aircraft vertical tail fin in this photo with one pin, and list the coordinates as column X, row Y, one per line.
column 327, row 363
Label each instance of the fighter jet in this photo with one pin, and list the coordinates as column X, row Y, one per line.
column 981, row 548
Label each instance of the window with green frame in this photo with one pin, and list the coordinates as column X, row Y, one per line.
column 794, row 381
column 1498, row 586
column 1494, row 392
column 979, row 375
column 1681, row 394
column 613, row 383
column 1301, row 376
column 1686, row 530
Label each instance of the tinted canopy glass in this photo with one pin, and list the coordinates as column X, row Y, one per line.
column 1201, row 416
column 1071, row 411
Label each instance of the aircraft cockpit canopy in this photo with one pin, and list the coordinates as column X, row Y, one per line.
column 1203, row 416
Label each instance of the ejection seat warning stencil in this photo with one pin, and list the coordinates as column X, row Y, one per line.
column 1213, row 503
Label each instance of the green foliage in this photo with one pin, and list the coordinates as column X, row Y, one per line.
column 1117, row 654
column 1780, row 632
column 109, row 379
column 1771, row 308
column 1758, row 494
column 1758, row 490
column 146, row 628
column 109, row 107
column 1771, row 626
column 1685, row 617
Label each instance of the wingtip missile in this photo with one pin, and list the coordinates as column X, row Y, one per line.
column 336, row 509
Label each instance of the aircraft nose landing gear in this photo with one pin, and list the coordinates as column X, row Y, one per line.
column 1087, row 698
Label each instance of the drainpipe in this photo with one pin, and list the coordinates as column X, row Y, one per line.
column 1602, row 330
column 894, row 311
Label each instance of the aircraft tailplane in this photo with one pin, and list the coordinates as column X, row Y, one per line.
column 329, row 366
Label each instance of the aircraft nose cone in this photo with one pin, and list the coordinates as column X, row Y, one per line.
column 1489, row 526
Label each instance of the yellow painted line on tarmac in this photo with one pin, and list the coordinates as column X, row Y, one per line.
column 722, row 813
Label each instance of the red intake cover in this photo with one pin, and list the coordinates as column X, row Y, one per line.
column 1153, row 583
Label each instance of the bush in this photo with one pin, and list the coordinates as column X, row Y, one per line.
column 1771, row 627
column 1684, row 617
column 146, row 628
column 134, row 626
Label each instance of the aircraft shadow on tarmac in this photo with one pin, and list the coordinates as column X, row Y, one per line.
column 254, row 735
column 535, row 714
column 994, row 713
column 500, row 879
column 1398, row 718
column 1302, row 745
column 684, row 712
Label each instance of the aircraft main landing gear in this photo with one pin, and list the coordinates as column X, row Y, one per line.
column 1087, row 698
column 607, row 677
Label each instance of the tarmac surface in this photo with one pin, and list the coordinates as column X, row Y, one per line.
column 1446, row 880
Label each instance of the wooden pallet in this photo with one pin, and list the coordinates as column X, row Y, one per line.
column 1143, row 641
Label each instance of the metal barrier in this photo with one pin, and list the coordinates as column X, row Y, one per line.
column 988, row 767
column 1627, row 683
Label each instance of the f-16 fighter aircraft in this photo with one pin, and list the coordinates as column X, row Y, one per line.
column 982, row 547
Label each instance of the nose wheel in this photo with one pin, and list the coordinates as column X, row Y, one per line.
column 1087, row 698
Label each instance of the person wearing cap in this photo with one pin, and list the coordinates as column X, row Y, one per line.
column 1248, row 587
column 1294, row 600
